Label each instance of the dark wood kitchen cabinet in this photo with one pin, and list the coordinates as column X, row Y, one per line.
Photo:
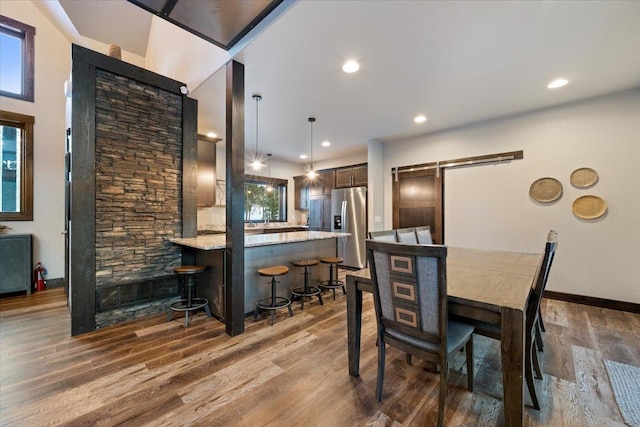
column 320, row 213
column 354, row 176
column 323, row 183
column 15, row 263
column 301, row 192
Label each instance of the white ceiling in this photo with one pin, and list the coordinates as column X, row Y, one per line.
column 456, row 62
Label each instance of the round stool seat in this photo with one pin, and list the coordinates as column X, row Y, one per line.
column 277, row 270
column 333, row 283
column 189, row 269
column 190, row 303
column 331, row 260
column 306, row 290
column 273, row 302
column 306, row 263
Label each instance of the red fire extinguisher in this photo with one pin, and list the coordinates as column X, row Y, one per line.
column 38, row 278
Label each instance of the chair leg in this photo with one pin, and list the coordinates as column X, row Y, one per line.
column 528, row 374
column 381, row 357
column 540, row 320
column 408, row 357
column 536, row 365
column 539, row 344
column 469, row 351
column 444, row 370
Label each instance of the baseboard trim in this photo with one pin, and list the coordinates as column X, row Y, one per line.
column 593, row 301
column 55, row 283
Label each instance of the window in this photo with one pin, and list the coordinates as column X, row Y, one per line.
column 16, row 59
column 16, row 158
column 265, row 199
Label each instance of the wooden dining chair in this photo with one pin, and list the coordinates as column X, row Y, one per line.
column 423, row 234
column 551, row 237
column 383, row 236
column 532, row 318
column 407, row 235
column 410, row 299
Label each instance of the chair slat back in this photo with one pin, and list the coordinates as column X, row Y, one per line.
column 410, row 288
column 423, row 234
column 383, row 236
column 407, row 235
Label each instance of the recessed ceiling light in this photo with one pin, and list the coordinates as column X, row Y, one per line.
column 557, row 83
column 420, row 119
column 303, row 156
column 212, row 134
column 350, row 66
column 325, row 143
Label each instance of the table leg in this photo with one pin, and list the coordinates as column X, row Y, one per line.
column 354, row 325
column 512, row 348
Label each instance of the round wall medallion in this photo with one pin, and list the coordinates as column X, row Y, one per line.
column 546, row 190
column 583, row 177
column 589, row 207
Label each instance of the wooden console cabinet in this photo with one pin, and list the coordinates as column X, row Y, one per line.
column 15, row 263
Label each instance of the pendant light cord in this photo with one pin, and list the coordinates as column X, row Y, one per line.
column 255, row 163
column 311, row 120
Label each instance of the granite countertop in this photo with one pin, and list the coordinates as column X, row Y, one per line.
column 252, row 226
column 218, row 241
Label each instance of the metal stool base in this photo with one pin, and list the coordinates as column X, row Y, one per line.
column 306, row 291
column 273, row 304
column 333, row 285
column 183, row 306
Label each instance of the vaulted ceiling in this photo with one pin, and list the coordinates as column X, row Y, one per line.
column 455, row 62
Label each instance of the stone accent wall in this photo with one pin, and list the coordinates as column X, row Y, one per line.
column 138, row 184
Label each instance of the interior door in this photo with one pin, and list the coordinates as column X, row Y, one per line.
column 417, row 201
column 67, row 216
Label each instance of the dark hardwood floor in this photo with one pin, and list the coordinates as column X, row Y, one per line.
column 150, row 372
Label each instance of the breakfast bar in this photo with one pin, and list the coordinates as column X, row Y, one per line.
column 260, row 250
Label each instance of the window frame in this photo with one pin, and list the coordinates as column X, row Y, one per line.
column 27, row 34
column 25, row 123
column 280, row 185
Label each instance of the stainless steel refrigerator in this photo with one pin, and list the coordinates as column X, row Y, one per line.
column 349, row 215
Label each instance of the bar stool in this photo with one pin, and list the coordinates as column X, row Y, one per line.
column 191, row 303
column 273, row 302
column 306, row 290
column 333, row 283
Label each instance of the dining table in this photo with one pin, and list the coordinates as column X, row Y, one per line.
column 482, row 285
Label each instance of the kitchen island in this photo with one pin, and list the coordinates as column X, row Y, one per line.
column 261, row 250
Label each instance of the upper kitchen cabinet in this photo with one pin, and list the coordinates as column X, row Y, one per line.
column 353, row 176
column 206, row 171
column 301, row 195
column 320, row 213
column 323, row 183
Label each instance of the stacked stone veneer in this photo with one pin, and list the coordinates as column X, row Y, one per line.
column 138, row 153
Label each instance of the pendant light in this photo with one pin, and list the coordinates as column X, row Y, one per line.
column 269, row 186
column 312, row 173
column 256, row 164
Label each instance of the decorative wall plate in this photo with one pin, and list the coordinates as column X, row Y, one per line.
column 546, row 190
column 589, row 207
column 583, row 177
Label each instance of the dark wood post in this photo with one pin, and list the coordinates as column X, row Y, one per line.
column 234, row 150
column 189, row 167
column 83, row 190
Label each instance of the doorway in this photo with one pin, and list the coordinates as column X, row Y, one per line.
column 418, row 201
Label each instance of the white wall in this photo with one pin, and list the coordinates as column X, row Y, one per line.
column 52, row 66
column 354, row 158
column 489, row 206
column 186, row 49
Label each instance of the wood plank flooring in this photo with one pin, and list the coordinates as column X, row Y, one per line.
column 149, row 372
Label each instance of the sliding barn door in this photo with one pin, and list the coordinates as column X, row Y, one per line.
column 417, row 201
